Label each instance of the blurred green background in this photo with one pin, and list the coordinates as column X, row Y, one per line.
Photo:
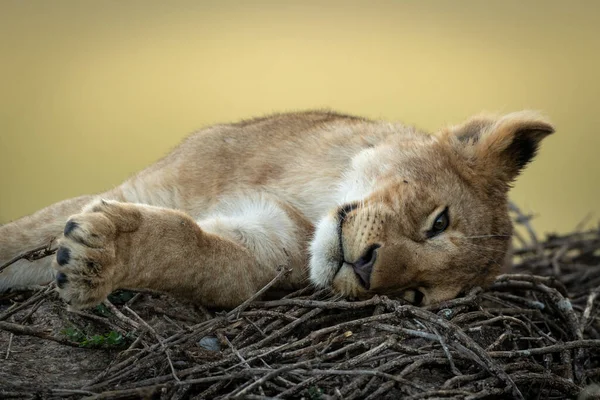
column 93, row 91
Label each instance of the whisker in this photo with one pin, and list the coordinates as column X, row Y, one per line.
column 484, row 247
column 488, row 258
column 485, row 236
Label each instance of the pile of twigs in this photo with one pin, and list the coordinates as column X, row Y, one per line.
column 533, row 334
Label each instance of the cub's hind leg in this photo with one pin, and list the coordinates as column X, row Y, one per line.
column 115, row 245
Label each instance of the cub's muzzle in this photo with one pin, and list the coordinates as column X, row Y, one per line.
column 363, row 267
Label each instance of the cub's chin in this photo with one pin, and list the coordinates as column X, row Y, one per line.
column 348, row 285
column 326, row 256
column 327, row 267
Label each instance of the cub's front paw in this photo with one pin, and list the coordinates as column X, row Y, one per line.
column 87, row 257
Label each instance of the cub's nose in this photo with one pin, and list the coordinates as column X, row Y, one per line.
column 364, row 265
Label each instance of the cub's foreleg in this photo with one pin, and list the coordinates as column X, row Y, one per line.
column 28, row 233
column 114, row 245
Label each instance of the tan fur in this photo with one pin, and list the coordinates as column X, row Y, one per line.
column 313, row 191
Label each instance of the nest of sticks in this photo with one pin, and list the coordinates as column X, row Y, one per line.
column 534, row 333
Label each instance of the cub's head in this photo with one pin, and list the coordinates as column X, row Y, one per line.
column 430, row 217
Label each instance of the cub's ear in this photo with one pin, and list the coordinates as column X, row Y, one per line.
column 501, row 146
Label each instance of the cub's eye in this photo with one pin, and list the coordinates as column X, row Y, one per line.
column 414, row 296
column 440, row 224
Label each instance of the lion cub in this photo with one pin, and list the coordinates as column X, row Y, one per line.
column 358, row 206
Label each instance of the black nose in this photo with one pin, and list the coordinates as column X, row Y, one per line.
column 364, row 265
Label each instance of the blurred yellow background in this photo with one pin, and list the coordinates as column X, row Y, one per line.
column 93, row 91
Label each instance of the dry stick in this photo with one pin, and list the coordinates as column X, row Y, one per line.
column 360, row 372
column 409, row 369
column 389, row 342
column 40, row 295
column 177, row 338
column 565, row 359
column 257, row 397
column 32, row 310
column 398, row 362
column 267, row 313
column 555, row 348
column 262, row 333
column 434, row 337
column 472, row 299
column 120, row 315
column 268, row 376
column 442, row 341
column 524, row 220
column 100, row 320
column 504, row 318
column 481, row 356
column 141, row 393
column 343, row 365
column 326, row 305
column 280, row 332
column 553, row 381
column 499, row 340
column 262, row 355
column 150, row 389
column 32, row 331
column 299, row 343
column 70, row 391
column 562, row 304
column 158, row 338
column 588, row 308
column 460, row 380
column 326, row 356
column 383, row 389
column 580, row 355
column 556, row 258
column 212, row 391
column 186, row 372
column 282, row 271
column 549, row 281
column 10, row 339
column 436, row 394
column 486, row 394
column 118, row 369
column 31, row 255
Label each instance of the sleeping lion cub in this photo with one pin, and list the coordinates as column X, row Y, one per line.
column 358, row 206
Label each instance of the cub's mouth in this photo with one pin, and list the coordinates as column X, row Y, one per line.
column 330, row 264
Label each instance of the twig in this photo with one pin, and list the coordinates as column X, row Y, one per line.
column 442, row 341
column 38, row 296
column 32, row 331
column 31, row 255
column 10, row 339
column 120, row 315
column 160, row 340
column 281, row 272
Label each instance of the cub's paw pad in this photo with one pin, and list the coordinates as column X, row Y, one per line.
column 69, row 227
column 61, row 280
column 85, row 260
column 63, row 255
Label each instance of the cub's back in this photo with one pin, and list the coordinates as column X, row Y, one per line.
column 298, row 157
